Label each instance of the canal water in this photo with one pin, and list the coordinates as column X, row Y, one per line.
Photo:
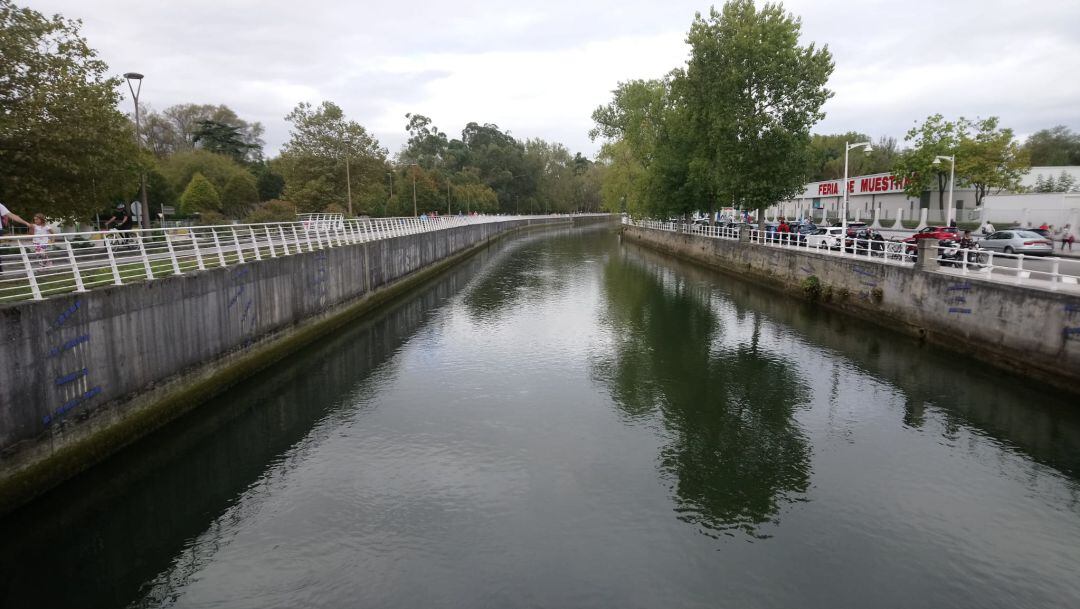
column 566, row 420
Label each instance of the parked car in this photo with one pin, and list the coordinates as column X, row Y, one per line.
column 825, row 237
column 1018, row 242
column 940, row 233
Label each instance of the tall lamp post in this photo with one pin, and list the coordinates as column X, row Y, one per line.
column 952, row 175
column 348, row 179
column 867, row 148
column 145, row 211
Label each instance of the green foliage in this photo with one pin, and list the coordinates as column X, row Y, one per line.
column 212, row 218
column 1063, row 183
column 812, row 288
column 313, row 161
column 1055, row 147
column 934, row 137
column 826, row 156
column 65, row 149
column 988, row 158
column 178, row 129
column 269, row 183
column 200, row 197
column 219, row 169
column 751, row 94
column 223, row 139
column 732, row 128
column 272, row 211
column 239, row 195
column 159, row 190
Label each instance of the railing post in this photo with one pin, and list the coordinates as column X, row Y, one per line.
column 254, row 242
column 172, row 252
column 34, row 289
column 145, row 259
column 307, row 234
column 198, row 252
column 79, row 287
column 269, row 241
column 217, row 246
column 1019, row 268
column 1055, row 273
column 112, row 261
column 284, row 240
column 236, row 242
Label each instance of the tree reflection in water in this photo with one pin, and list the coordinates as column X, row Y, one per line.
column 735, row 454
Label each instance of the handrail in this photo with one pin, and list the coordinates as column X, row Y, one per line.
column 1020, row 269
column 38, row 266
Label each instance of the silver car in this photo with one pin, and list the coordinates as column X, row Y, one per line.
column 1018, row 242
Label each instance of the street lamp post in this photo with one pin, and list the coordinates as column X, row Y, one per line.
column 952, row 177
column 145, row 211
column 867, row 148
column 448, row 196
column 348, row 183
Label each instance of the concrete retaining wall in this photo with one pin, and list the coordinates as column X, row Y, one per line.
column 1033, row 332
column 85, row 374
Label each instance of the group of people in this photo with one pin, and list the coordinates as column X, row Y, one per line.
column 1063, row 234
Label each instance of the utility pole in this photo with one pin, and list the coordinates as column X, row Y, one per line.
column 448, row 196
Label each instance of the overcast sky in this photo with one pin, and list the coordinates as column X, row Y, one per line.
column 540, row 68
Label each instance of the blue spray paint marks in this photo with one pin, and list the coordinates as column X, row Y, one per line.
column 69, row 405
column 1072, row 333
column 69, row 345
column 959, row 310
column 959, row 287
column 67, row 378
column 66, row 315
column 807, row 270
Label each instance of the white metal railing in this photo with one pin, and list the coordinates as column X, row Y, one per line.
column 1023, row 269
column 1034, row 271
column 37, row 267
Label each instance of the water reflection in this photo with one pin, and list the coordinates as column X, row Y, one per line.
column 127, row 517
column 735, row 453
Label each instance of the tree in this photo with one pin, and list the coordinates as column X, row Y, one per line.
column 826, row 156
column 427, row 146
column 218, row 168
column 223, row 139
column 177, row 128
column 1066, row 182
column 313, row 161
column 988, row 158
column 200, row 196
column 750, row 94
column 239, row 196
column 65, row 149
column 270, row 183
column 1054, row 147
column 934, row 137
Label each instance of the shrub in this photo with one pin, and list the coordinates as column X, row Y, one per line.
column 272, row 211
column 200, row 196
column 812, row 288
column 239, row 195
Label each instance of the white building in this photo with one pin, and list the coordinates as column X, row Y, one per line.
column 882, row 195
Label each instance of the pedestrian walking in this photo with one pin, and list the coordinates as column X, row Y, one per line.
column 1067, row 237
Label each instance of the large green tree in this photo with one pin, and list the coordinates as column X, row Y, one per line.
column 750, row 95
column 65, row 149
column 934, row 137
column 826, row 156
column 200, row 196
column 184, row 127
column 988, row 158
column 313, row 161
column 1054, row 147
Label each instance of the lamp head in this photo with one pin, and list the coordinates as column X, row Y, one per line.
column 868, row 149
column 133, row 76
column 937, row 160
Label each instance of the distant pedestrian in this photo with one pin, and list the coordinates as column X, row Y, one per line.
column 1044, row 226
column 988, row 228
column 1067, row 237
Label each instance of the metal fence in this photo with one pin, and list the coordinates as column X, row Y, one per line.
column 37, row 266
column 1033, row 271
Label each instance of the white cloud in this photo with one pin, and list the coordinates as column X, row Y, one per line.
column 539, row 70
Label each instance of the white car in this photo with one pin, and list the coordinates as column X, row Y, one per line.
column 826, row 237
